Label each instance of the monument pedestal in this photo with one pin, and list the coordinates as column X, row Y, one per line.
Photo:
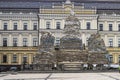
column 71, row 66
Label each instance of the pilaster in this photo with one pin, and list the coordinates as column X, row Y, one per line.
column 30, row 40
column 20, row 40
column 0, row 40
column 20, row 25
column 0, row 58
column 53, row 24
column 106, row 26
column 0, row 24
column 30, row 59
column 30, row 25
column 115, row 27
column 40, row 23
column 83, row 24
column 115, row 58
column 63, row 24
column 115, row 41
column 10, row 40
column 9, row 58
column 19, row 58
column 106, row 40
column 10, row 27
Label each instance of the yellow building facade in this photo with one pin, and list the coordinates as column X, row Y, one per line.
column 20, row 32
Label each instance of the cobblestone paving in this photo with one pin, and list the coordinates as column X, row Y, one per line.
column 61, row 76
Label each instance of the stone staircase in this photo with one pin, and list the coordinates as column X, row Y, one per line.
column 72, row 66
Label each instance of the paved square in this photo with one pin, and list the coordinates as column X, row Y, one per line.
column 61, row 76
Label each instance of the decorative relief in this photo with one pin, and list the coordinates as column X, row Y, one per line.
column 96, row 43
column 47, row 41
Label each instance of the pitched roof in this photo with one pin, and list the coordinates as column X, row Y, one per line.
column 102, row 5
column 59, row 0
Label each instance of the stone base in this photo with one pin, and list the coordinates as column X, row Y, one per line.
column 71, row 66
column 97, row 58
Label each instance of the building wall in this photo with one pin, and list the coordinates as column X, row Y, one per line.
column 42, row 19
column 20, row 51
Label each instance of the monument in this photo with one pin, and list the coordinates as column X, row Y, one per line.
column 71, row 40
column 45, row 58
column 71, row 54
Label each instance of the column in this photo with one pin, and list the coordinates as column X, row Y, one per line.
column 1, row 40
column 106, row 40
column 53, row 24
column 43, row 24
column 115, row 26
column 20, row 27
column 30, row 40
column 0, row 58
column 115, row 41
column 106, row 26
column 40, row 23
column 10, row 25
column 29, row 58
column 10, row 40
column 20, row 40
column 84, row 25
column 94, row 25
column 115, row 58
column 0, row 24
column 30, row 25
column 9, row 59
column 19, row 58
column 63, row 24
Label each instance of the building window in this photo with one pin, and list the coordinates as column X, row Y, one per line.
column 110, row 58
column 4, row 58
column 101, row 27
column 14, row 58
column 5, row 26
column 24, row 59
column 34, row 42
column 14, row 42
column 110, row 42
column 4, row 42
column 87, row 41
column 57, row 41
column 47, row 25
column 110, row 27
column 118, row 42
column 24, row 42
column 119, row 59
column 25, row 26
column 118, row 27
column 15, row 26
column 35, row 26
column 58, row 25
column 88, row 25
